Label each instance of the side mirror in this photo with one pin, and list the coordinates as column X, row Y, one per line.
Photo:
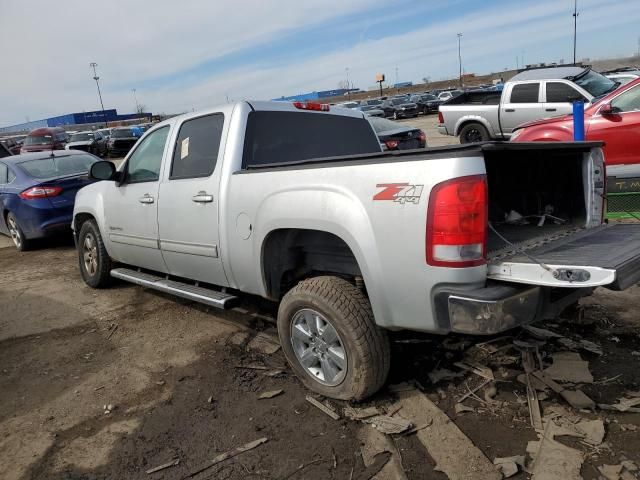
column 103, row 170
column 606, row 109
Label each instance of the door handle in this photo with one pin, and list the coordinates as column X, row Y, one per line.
column 202, row 197
column 509, row 109
column 146, row 198
column 549, row 109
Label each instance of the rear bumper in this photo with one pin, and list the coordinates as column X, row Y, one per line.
column 442, row 129
column 39, row 220
column 496, row 308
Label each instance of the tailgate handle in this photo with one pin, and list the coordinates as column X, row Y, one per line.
column 571, row 275
column 202, row 197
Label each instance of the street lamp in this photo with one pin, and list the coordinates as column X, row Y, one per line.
column 575, row 28
column 96, row 78
column 136, row 99
column 460, row 58
column 348, row 89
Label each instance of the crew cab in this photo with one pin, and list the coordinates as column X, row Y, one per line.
column 479, row 116
column 296, row 203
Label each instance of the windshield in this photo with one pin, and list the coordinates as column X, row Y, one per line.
column 383, row 125
column 38, row 140
column 367, row 108
column 398, row 101
column 374, row 102
column 595, row 83
column 427, row 98
column 58, row 166
column 81, row 137
column 123, row 133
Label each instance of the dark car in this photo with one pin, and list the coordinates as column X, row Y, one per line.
column 4, row 151
column 399, row 108
column 37, row 193
column 426, row 102
column 92, row 142
column 45, row 139
column 393, row 136
column 11, row 144
column 122, row 140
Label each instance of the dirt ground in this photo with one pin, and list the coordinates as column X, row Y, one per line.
column 171, row 372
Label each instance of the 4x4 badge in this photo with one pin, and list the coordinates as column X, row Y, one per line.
column 399, row 192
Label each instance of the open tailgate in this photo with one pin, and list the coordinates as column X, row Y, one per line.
column 608, row 255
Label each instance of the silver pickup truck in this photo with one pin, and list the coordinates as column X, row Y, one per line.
column 530, row 95
column 295, row 203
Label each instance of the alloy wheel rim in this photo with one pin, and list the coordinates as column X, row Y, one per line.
column 14, row 232
column 474, row 135
column 90, row 254
column 318, row 347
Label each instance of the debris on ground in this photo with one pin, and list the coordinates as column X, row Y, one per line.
column 592, row 431
column 461, row 408
column 172, row 463
column 509, row 466
column 569, row 367
column 552, row 459
column 270, row 394
column 329, row 410
column 354, row 413
column 581, row 344
column 379, row 461
column 623, row 405
column 480, row 370
column 373, row 443
column 541, row 333
column 621, row 471
column 264, row 343
column 230, row 454
column 389, row 425
column 443, row 374
column 576, row 398
column 445, row 442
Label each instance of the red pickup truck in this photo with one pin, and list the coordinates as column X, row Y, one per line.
column 614, row 119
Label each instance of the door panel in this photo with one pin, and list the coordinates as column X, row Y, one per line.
column 523, row 105
column 131, row 208
column 188, row 207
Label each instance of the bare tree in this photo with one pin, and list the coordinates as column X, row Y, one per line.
column 140, row 109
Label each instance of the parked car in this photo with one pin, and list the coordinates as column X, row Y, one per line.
column 92, row 142
column 4, row 151
column 371, row 102
column 11, row 144
column 121, row 140
column 529, row 95
column 105, row 132
column 371, row 111
column 45, row 139
column 426, row 102
column 352, row 105
column 623, row 75
column 251, row 197
column 448, row 95
column 37, row 193
column 394, row 136
column 399, row 108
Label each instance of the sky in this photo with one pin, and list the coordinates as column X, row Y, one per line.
column 192, row 54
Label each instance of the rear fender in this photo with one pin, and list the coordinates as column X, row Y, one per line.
column 475, row 119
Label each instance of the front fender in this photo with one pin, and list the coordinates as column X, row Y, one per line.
column 90, row 201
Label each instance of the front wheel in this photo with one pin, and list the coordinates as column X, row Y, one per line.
column 474, row 133
column 330, row 339
column 95, row 263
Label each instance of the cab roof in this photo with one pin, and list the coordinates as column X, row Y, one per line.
column 551, row 73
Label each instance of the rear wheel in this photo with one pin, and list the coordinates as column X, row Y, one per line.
column 395, row 115
column 329, row 337
column 16, row 233
column 95, row 263
column 474, row 133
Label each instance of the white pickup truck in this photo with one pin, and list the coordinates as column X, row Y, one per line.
column 295, row 203
column 478, row 116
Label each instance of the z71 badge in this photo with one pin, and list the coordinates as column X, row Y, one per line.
column 399, row 192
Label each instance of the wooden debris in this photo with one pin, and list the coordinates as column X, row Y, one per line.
column 623, row 405
column 252, row 367
column 172, row 463
column 569, row 367
column 389, row 425
column 541, row 333
column 264, row 343
column 576, row 398
column 270, row 394
column 230, row 454
column 98, row 388
column 552, row 459
column 460, row 409
column 581, row 345
column 325, row 408
column 473, row 391
column 532, row 394
column 373, row 443
column 274, row 373
column 354, row 413
column 481, row 370
column 113, row 330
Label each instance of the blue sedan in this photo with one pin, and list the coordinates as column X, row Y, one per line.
column 37, row 193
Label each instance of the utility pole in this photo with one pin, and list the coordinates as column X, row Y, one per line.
column 135, row 97
column 575, row 28
column 348, row 88
column 397, row 81
column 460, row 57
column 96, row 78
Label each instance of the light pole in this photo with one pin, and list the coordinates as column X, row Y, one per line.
column 135, row 97
column 460, row 57
column 575, row 28
column 96, row 78
column 348, row 89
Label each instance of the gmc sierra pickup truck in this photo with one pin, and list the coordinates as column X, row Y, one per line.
column 478, row 116
column 296, row 203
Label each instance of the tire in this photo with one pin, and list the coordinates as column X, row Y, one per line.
column 474, row 133
column 363, row 347
column 95, row 263
column 16, row 233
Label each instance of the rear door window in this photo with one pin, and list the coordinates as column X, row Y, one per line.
column 558, row 92
column 280, row 138
column 196, row 150
column 525, row 93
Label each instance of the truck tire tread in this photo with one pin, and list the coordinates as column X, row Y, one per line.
column 103, row 277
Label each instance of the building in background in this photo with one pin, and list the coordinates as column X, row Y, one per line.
column 316, row 95
column 80, row 118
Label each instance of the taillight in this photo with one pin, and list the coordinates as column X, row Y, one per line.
column 440, row 117
column 457, row 222
column 40, row 192
column 318, row 107
column 391, row 144
column 422, row 136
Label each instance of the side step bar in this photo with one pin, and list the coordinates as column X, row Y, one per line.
column 209, row 297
